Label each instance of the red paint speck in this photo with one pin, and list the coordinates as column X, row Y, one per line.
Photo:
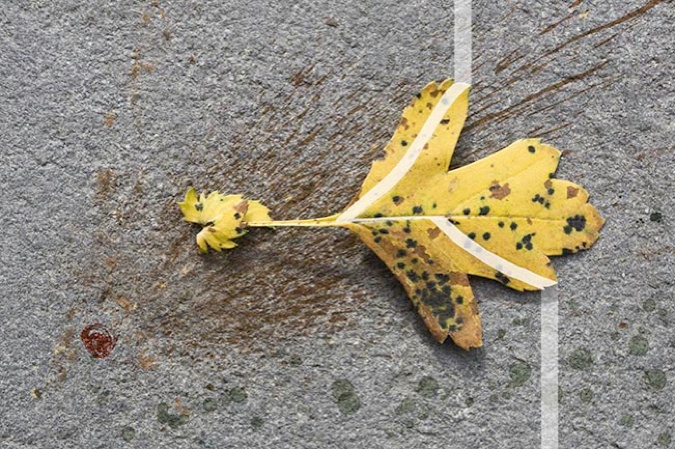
column 98, row 340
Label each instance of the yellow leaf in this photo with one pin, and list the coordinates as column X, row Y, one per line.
column 497, row 218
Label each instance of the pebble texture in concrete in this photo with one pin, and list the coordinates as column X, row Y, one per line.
column 302, row 338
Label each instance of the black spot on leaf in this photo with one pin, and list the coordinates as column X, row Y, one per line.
column 578, row 222
column 501, row 277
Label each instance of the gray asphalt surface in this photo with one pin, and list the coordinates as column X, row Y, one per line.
column 302, row 338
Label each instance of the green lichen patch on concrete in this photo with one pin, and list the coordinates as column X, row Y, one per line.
column 664, row 439
column 238, row 394
column 655, row 379
column 521, row 321
column 128, row 433
column 627, row 420
column 580, row 359
column 520, row 373
column 586, row 395
column 638, row 345
column 345, row 395
column 172, row 420
column 257, row 422
column 656, row 217
column 295, row 360
column 406, row 406
column 427, row 387
column 649, row 305
column 209, row 405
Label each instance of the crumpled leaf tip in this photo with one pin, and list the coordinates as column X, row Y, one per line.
column 223, row 217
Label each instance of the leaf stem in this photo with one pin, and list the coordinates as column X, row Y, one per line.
column 312, row 222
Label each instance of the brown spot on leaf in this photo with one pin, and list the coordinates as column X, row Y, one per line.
column 242, row 207
column 433, row 232
column 572, row 192
column 421, row 251
column 459, row 279
column 404, row 123
column 498, row 191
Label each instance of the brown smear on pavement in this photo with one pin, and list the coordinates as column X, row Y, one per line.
column 530, row 98
column 281, row 284
column 631, row 15
column 536, row 65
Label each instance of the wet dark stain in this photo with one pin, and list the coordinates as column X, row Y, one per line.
column 98, row 340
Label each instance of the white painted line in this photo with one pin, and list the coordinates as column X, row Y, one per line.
column 462, row 41
column 491, row 259
column 549, row 368
column 408, row 160
column 463, row 241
